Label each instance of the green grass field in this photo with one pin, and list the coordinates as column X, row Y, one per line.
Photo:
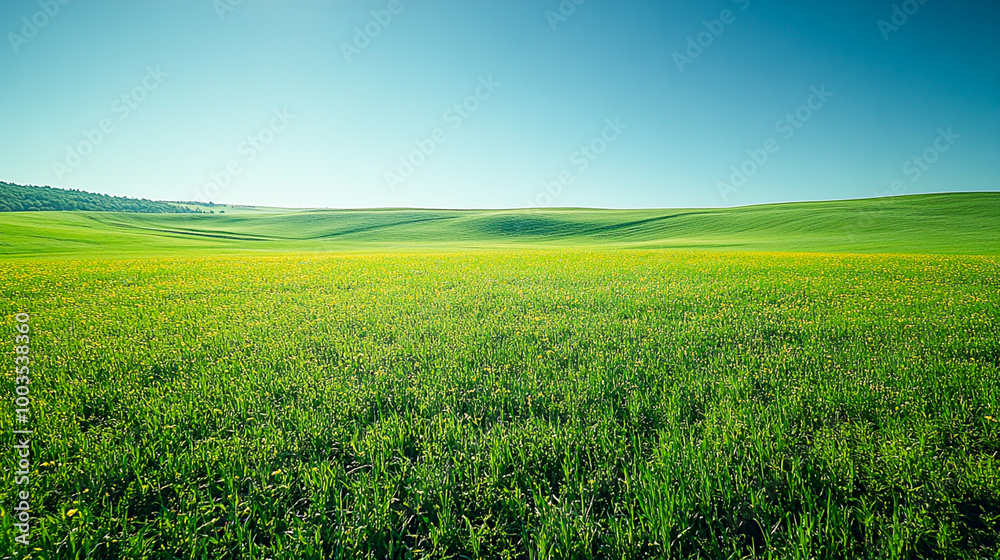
column 963, row 223
column 807, row 381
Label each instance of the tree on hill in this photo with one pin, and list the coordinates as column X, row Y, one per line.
column 21, row 198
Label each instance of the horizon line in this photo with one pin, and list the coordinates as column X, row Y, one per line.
column 502, row 209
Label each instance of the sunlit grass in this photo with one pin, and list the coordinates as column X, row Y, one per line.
column 513, row 405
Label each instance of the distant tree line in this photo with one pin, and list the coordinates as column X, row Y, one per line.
column 21, row 198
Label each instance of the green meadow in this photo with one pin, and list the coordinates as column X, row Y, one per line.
column 964, row 223
column 802, row 381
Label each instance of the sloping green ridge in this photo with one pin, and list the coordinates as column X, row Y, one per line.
column 960, row 223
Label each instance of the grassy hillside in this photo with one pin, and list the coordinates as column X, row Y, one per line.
column 439, row 384
column 962, row 223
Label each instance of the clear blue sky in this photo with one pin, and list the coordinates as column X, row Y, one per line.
column 283, row 103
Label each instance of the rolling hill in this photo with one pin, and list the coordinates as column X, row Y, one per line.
column 959, row 223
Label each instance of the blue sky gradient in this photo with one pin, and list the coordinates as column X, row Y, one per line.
column 501, row 103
